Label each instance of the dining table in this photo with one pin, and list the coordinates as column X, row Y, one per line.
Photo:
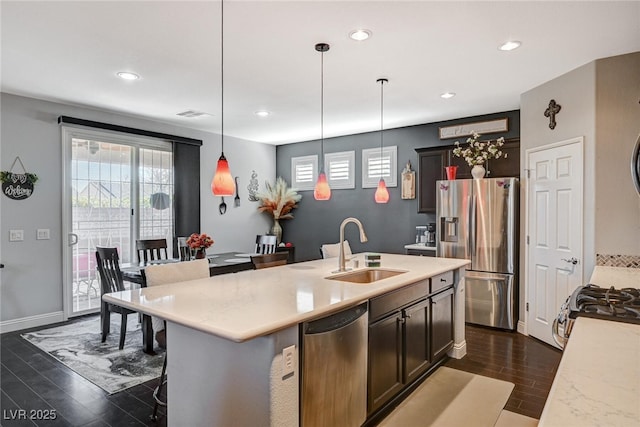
column 220, row 263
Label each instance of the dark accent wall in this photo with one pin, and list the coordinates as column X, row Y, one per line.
column 390, row 226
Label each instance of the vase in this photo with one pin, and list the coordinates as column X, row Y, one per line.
column 478, row 171
column 451, row 172
column 200, row 253
column 276, row 230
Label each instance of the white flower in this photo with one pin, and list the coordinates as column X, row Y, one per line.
column 478, row 152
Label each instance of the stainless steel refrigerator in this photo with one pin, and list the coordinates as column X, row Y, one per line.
column 478, row 221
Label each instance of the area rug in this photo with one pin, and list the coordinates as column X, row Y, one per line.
column 452, row 398
column 77, row 345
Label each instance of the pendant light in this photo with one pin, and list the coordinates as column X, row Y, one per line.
column 322, row 191
column 222, row 183
column 382, row 194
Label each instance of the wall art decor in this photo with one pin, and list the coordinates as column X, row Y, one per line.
column 18, row 186
column 489, row 126
column 253, row 187
column 551, row 112
column 408, row 182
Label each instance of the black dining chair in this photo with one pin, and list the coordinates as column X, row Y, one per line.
column 108, row 265
column 151, row 250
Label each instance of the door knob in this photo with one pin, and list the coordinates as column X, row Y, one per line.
column 573, row 260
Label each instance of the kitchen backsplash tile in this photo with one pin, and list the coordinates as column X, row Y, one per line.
column 628, row 261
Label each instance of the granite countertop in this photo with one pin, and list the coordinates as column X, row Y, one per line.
column 598, row 380
column 249, row 304
column 420, row 247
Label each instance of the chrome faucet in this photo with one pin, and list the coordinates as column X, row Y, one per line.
column 363, row 238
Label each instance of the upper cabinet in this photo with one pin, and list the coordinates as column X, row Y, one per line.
column 432, row 161
column 431, row 165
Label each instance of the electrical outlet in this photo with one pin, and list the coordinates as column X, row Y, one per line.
column 16, row 235
column 288, row 360
column 43, row 234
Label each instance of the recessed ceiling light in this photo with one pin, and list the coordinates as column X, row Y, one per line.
column 359, row 35
column 510, row 45
column 262, row 113
column 127, row 75
column 447, row 95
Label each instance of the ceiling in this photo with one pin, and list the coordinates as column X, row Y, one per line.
column 70, row 52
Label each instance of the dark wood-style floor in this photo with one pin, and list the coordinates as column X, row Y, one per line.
column 32, row 380
column 528, row 363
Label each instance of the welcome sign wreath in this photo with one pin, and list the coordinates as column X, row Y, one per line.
column 17, row 186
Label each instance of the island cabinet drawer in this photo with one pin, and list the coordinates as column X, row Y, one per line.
column 441, row 281
column 392, row 301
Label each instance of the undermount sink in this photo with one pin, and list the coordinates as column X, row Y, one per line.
column 369, row 275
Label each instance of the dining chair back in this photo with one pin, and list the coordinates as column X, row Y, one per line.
column 269, row 260
column 183, row 249
column 163, row 274
column 333, row 250
column 108, row 265
column 266, row 244
column 151, row 249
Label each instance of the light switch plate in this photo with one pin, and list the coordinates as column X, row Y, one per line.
column 16, row 235
column 43, row 234
column 288, row 360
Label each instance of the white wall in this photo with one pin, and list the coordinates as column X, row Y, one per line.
column 599, row 102
column 31, row 282
column 617, row 226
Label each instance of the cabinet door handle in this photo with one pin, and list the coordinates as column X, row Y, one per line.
column 401, row 319
column 442, row 279
column 407, row 316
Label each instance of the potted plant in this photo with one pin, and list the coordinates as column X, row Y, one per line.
column 199, row 243
column 278, row 201
column 479, row 152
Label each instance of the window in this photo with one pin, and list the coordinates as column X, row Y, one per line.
column 340, row 169
column 304, row 171
column 375, row 166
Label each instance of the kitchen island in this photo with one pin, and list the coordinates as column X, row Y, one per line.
column 226, row 334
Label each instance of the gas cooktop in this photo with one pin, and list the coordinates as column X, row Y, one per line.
column 622, row 305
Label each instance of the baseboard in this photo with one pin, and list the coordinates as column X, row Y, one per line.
column 31, row 322
column 458, row 351
column 522, row 328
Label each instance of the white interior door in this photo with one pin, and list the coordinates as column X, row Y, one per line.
column 554, row 230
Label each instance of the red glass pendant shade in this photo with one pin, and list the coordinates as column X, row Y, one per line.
column 322, row 190
column 222, row 183
column 382, row 194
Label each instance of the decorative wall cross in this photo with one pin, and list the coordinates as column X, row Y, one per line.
column 551, row 112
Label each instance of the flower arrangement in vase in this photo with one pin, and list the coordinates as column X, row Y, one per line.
column 278, row 200
column 199, row 243
column 479, row 152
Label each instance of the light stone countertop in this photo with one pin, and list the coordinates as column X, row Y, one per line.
column 618, row 277
column 245, row 305
column 598, row 380
column 420, row 247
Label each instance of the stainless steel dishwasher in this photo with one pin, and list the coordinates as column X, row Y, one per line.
column 334, row 369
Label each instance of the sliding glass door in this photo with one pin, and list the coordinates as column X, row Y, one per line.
column 116, row 189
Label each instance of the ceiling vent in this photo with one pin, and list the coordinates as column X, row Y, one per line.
column 192, row 114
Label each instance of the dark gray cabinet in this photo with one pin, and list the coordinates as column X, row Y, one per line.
column 409, row 330
column 417, row 354
column 431, row 165
column 441, row 323
column 385, row 361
